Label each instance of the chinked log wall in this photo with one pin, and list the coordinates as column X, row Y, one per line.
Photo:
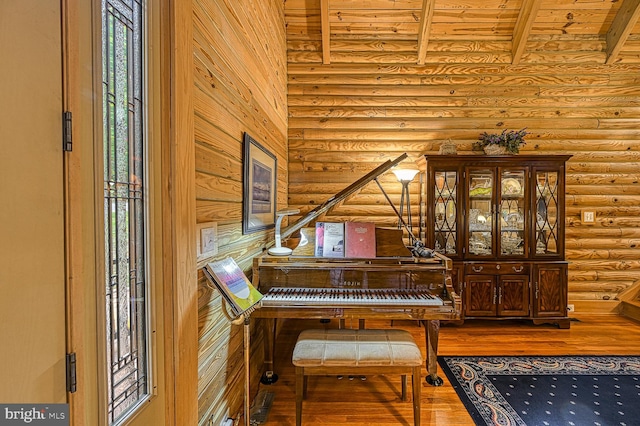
column 373, row 102
column 239, row 85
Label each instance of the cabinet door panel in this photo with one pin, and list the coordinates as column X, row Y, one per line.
column 513, row 296
column 550, row 290
column 445, row 213
column 480, row 296
column 512, row 212
column 548, row 213
column 481, row 210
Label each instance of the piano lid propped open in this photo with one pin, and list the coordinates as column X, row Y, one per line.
column 341, row 196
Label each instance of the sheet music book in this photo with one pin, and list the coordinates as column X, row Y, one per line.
column 333, row 239
column 359, row 239
column 234, row 285
column 319, row 244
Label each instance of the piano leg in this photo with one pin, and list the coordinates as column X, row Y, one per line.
column 361, row 323
column 432, row 328
column 269, row 332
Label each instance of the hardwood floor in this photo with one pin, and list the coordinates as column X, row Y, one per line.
column 376, row 400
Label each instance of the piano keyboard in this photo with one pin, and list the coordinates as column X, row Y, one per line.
column 280, row 296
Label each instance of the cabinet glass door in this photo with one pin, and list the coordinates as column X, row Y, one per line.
column 547, row 202
column 512, row 210
column 479, row 217
column 446, row 212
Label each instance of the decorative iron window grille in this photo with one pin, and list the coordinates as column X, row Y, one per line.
column 125, row 224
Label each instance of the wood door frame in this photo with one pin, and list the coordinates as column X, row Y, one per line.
column 177, row 212
column 79, row 215
column 180, row 215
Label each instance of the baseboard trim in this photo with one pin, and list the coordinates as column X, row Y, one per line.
column 597, row 307
column 630, row 310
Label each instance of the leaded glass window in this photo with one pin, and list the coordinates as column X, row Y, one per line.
column 125, row 225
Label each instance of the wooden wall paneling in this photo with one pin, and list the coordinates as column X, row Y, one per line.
column 409, row 57
column 371, row 102
column 242, row 103
column 431, row 112
column 234, row 28
column 217, row 341
column 484, row 77
column 239, row 86
column 625, row 71
column 573, row 228
column 599, row 254
column 227, row 108
column 603, row 167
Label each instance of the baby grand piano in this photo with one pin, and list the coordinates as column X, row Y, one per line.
column 394, row 285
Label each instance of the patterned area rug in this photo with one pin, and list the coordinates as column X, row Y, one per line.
column 542, row 390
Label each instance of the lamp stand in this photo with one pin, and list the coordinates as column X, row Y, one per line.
column 404, row 200
column 278, row 250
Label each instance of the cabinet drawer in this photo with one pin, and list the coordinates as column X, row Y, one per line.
column 496, row 268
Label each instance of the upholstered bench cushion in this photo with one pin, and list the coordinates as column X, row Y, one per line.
column 346, row 347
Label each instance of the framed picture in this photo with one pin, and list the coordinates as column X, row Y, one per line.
column 259, row 195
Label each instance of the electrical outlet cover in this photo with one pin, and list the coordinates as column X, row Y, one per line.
column 588, row 217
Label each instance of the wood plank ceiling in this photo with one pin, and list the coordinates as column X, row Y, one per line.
column 514, row 29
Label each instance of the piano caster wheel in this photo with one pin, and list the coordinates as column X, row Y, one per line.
column 434, row 382
column 268, row 378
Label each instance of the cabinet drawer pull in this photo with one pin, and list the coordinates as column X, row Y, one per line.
column 518, row 268
column 476, row 268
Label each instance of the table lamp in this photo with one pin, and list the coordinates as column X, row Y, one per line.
column 278, row 250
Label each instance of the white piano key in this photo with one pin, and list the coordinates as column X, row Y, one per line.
column 345, row 297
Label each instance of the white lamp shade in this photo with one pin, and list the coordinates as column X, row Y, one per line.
column 405, row 175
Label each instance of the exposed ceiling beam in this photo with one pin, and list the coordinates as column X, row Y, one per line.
column 521, row 31
column 326, row 32
column 425, row 29
column 621, row 27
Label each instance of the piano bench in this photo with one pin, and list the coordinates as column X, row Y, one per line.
column 357, row 352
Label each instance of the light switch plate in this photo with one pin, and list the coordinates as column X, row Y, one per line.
column 588, row 217
column 207, row 239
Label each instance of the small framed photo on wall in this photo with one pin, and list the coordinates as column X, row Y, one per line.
column 259, row 187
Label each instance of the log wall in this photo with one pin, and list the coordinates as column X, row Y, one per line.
column 330, row 124
column 372, row 102
column 239, row 67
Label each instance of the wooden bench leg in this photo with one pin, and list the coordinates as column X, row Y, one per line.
column 300, row 385
column 313, row 342
column 417, row 386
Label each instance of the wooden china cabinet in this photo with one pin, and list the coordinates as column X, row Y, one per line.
column 501, row 220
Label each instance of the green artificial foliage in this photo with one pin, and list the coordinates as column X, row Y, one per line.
column 512, row 140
